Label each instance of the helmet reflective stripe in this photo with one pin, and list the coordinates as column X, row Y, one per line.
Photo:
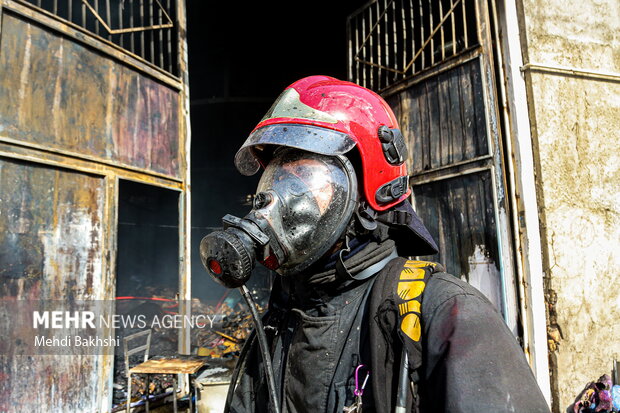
column 288, row 105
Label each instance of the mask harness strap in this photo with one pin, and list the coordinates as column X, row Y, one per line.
column 375, row 268
column 368, row 219
column 341, row 268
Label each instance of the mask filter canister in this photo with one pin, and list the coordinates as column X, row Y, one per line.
column 229, row 255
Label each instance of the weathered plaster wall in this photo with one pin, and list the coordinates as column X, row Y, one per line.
column 574, row 32
column 576, row 133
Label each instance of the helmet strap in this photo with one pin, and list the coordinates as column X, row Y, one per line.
column 366, row 216
column 369, row 223
column 379, row 234
column 394, row 217
column 364, row 222
column 341, row 269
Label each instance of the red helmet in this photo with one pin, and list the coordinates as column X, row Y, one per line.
column 325, row 115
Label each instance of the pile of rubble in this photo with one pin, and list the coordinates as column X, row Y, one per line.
column 220, row 340
column 229, row 331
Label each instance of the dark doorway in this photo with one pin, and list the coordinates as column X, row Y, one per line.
column 241, row 56
column 148, row 241
column 147, row 277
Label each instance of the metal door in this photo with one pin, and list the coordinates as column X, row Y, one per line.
column 433, row 62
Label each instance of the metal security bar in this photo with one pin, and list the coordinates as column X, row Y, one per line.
column 146, row 28
column 392, row 40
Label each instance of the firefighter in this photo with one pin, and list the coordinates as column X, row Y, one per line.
column 351, row 322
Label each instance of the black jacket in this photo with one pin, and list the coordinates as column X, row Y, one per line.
column 465, row 359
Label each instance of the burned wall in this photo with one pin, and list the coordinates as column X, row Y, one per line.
column 76, row 116
column 575, row 118
column 50, row 249
column 59, row 94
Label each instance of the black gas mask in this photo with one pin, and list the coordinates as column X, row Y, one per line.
column 302, row 207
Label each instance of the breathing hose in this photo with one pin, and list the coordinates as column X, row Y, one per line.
column 235, row 376
column 264, row 348
column 403, row 381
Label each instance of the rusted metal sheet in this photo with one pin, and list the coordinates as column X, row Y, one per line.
column 53, row 159
column 48, row 384
column 76, row 113
column 91, row 40
column 51, row 248
column 59, row 94
column 185, row 200
column 146, row 28
column 444, row 118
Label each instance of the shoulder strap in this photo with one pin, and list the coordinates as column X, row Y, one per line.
column 412, row 280
column 397, row 305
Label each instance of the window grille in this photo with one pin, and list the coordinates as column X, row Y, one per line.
column 392, row 40
column 145, row 28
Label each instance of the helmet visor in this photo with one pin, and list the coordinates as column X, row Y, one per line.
column 313, row 139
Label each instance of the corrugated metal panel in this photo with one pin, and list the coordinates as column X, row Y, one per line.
column 51, row 248
column 61, row 95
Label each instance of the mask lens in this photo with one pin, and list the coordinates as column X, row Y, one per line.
column 314, row 195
